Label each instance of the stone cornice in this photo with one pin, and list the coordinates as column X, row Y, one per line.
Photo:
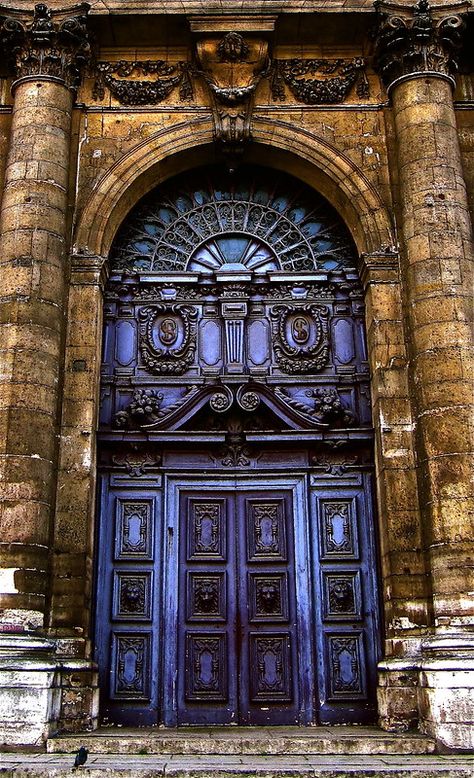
column 45, row 43
column 418, row 40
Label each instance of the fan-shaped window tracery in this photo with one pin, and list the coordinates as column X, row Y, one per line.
column 259, row 219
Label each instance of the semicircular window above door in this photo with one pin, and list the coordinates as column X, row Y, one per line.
column 208, row 219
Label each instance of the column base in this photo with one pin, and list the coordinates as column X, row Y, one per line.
column 446, row 692
column 397, row 694
column 42, row 693
column 29, row 692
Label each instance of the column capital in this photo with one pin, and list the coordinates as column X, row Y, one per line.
column 418, row 41
column 46, row 43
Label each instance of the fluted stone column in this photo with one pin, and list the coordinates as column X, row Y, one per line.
column 416, row 56
column 46, row 52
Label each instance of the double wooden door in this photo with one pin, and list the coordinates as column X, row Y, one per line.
column 237, row 630
column 225, row 600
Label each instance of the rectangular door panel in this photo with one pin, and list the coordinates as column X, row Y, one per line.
column 206, row 653
column 268, row 616
column 344, row 576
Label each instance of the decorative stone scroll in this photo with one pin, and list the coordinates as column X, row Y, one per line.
column 416, row 40
column 140, row 91
column 47, row 43
column 339, row 76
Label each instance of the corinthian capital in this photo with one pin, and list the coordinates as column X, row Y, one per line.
column 46, row 42
column 415, row 40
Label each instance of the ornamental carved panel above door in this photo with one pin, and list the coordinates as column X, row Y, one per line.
column 234, row 352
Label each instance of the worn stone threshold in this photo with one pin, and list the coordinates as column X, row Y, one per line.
column 265, row 741
column 232, row 766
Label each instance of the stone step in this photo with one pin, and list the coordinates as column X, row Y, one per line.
column 219, row 766
column 245, row 741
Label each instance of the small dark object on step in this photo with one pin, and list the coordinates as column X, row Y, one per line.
column 81, row 757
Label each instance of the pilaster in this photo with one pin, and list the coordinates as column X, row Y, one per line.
column 416, row 53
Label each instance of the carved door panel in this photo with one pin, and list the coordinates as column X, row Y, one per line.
column 128, row 603
column 237, row 641
column 346, row 621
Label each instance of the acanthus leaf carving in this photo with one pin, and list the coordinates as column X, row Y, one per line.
column 144, row 408
column 136, row 463
column 417, row 39
column 338, row 78
column 327, row 409
column 53, row 43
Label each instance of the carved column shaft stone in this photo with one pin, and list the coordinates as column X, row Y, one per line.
column 417, row 64
column 34, row 274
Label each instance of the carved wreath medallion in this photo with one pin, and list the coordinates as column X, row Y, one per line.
column 168, row 338
column 300, row 337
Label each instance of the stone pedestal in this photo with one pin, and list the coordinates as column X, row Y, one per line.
column 29, row 690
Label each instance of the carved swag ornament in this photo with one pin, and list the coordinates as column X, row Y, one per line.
column 138, row 90
column 337, row 78
column 414, row 40
column 48, row 43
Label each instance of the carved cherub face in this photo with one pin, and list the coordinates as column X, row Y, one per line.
column 232, row 48
column 341, row 592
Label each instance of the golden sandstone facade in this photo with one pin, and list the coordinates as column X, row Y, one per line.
column 372, row 108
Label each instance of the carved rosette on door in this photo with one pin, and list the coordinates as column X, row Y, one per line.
column 235, row 362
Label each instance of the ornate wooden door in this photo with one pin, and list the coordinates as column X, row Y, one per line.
column 237, row 643
column 237, row 567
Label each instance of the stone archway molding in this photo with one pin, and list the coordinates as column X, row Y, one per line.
column 297, row 151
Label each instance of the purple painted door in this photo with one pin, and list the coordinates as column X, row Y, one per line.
column 237, row 642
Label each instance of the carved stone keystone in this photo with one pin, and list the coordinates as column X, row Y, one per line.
column 232, row 67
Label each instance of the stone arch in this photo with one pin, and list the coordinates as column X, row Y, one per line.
column 297, row 151
column 169, row 152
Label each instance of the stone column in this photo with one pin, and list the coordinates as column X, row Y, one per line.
column 46, row 52
column 416, row 57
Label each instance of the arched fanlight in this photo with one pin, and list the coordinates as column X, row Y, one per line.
column 255, row 219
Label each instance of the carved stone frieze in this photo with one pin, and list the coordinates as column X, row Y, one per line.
column 417, row 40
column 301, row 337
column 337, row 78
column 52, row 43
column 168, row 338
column 138, row 90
